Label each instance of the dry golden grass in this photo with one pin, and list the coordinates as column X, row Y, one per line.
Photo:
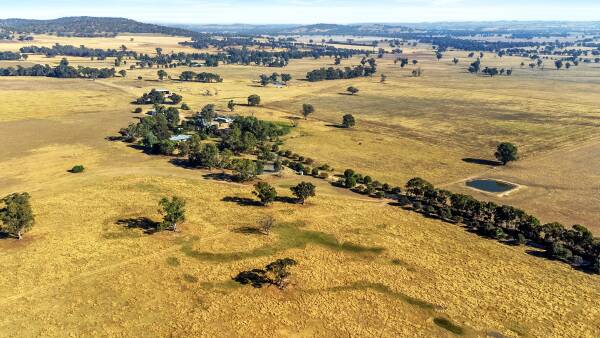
column 365, row 268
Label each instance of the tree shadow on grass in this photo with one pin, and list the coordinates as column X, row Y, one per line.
column 481, row 161
column 147, row 225
column 290, row 236
column 243, row 201
column 248, row 230
column 219, row 177
column 182, row 163
column 339, row 126
column 286, row 199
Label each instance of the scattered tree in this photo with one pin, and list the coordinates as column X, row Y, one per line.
column 352, row 90
column 348, row 121
column 265, row 192
column 253, row 100
column 303, row 191
column 506, row 152
column 307, row 109
column 173, row 211
column 16, row 214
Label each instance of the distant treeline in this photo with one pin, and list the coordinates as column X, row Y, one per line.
column 346, row 73
column 61, row 71
column 81, row 51
column 243, row 56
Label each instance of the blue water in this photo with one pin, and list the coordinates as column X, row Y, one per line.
column 490, row 185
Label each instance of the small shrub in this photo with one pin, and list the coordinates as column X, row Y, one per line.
column 323, row 175
column 314, row 172
column 138, row 110
column 265, row 225
column 77, row 169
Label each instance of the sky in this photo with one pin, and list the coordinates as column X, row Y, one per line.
column 307, row 11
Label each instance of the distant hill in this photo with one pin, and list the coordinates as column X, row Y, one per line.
column 89, row 26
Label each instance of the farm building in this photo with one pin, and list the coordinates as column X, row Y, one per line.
column 180, row 138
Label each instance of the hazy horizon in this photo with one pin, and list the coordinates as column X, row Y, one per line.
column 311, row 11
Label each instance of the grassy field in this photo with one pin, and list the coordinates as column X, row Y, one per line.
column 365, row 268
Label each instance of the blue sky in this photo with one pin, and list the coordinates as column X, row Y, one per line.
column 307, row 11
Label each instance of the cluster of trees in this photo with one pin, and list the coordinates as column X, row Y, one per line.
column 475, row 67
column 247, row 132
column 200, row 77
column 16, row 215
column 274, row 78
column 267, row 193
column 158, row 97
column 11, row 56
column 303, row 164
column 346, row 73
column 63, row 70
column 154, row 132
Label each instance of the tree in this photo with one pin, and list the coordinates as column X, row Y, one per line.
column 439, row 56
column 253, row 100
column 506, row 152
column 123, row 73
column 245, row 170
column 285, row 78
column 231, row 105
column 303, row 191
column 176, row 98
column 264, row 80
column 307, row 109
column 348, row 121
column 173, row 211
column 16, row 215
column 558, row 64
column 206, row 156
column 265, row 192
column 455, row 60
column 161, row 74
column 208, row 112
column 352, row 90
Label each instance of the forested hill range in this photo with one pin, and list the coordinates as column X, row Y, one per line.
column 85, row 26
column 511, row 28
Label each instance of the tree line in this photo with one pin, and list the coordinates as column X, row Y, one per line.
column 63, row 70
column 576, row 246
column 81, row 51
column 10, row 56
column 200, row 77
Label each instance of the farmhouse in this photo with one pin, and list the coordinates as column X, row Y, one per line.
column 180, row 138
